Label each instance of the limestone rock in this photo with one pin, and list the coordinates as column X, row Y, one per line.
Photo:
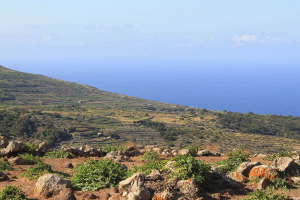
column 263, row 171
column 18, row 161
column 188, row 187
column 49, row 185
column 237, row 176
column 134, row 187
column 117, row 156
column 287, row 166
column 246, row 167
column 165, row 195
column 184, row 152
column 170, row 165
column 3, row 177
column 13, row 147
column 296, row 180
column 43, row 147
column 203, row 153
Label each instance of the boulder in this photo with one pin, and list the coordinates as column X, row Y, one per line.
column 263, row 171
column 155, row 175
column 286, row 166
column 166, row 152
column 157, row 150
column 134, row 187
column 263, row 183
column 296, row 180
column 13, row 147
column 117, row 156
column 165, row 195
column 184, row 152
column 3, row 141
column 246, row 167
column 49, row 185
column 69, row 165
column 43, row 147
column 174, row 153
column 66, row 194
column 188, row 188
column 237, row 176
column 203, row 153
column 18, row 161
column 3, row 177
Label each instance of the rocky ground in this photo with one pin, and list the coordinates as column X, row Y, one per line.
column 156, row 186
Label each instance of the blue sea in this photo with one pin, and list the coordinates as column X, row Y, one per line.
column 240, row 87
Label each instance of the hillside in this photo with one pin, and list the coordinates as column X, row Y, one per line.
column 34, row 107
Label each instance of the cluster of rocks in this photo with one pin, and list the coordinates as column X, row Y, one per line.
column 174, row 152
column 282, row 167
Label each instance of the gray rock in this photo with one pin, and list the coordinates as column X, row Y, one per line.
column 263, row 183
column 135, row 188
column 13, row 147
column 203, row 153
column 184, row 152
column 43, row 147
column 296, row 180
column 246, row 167
column 188, row 187
column 49, row 185
column 286, row 166
column 18, row 161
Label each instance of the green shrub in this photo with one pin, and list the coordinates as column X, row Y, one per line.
column 280, row 154
column 40, row 169
column 186, row 167
column 194, row 149
column 12, row 193
column 146, row 168
column 94, row 174
column 106, row 149
column 31, row 158
column 266, row 195
column 234, row 160
column 58, row 154
column 279, row 183
column 4, row 166
column 29, row 147
column 151, row 156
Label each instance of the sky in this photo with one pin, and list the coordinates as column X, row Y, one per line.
column 197, row 31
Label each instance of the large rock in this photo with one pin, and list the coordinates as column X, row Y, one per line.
column 13, row 147
column 246, row 167
column 165, row 195
column 49, row 185
column 263, row 171
column 263, row 183
column 166, row 152
column 296, row 180
column 174, row 152
column 203, row 153
column 184, row 152
column 18, row 161
column 188, row 188
column 134, row 187
column 3, row 177
column 286, row 166
column 3, row 141
column 117, row 156
column 237, row 176
column 43, row 147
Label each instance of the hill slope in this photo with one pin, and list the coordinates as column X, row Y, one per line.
column 35, row 107
column 25, row 88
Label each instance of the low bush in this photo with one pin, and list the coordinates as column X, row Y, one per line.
column 12, row 193
column 94, row 174
column 146, row 168
column 40, row 169
column 194, row 149
column 266, row 195
column 234, row 160
column 186, row 167
column 279, row 183
column 29, row 148
column 106, row 149
column 31, row 158
column 58, row 154
column 4, row 166
column 151, row 156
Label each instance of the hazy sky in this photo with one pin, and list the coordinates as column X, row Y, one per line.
column 156, row 30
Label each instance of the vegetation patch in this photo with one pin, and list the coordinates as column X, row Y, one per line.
column 58, row 154
column 31, row 158
column 266, row 195
column 93, row 175
column 234, row 160
column 37, row 171
column 12, row 193
column 186, row 167
column 280, row 154
column 4, row 166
